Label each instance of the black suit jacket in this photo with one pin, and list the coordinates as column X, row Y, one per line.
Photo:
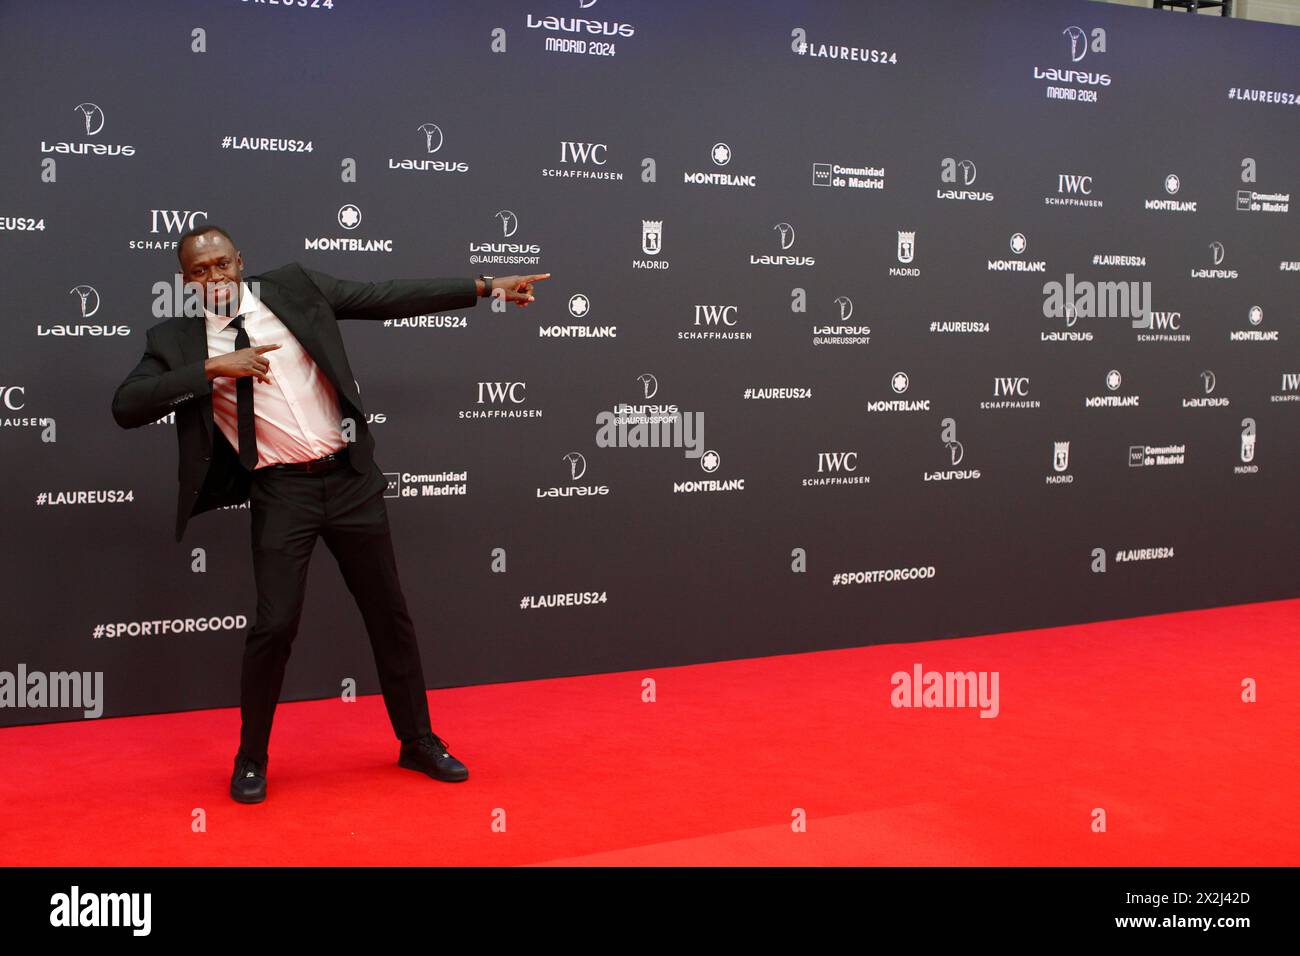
column 170, row 374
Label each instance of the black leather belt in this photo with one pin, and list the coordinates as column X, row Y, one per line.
column 329, row 462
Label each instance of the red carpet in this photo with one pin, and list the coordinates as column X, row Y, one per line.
column 1141, row 717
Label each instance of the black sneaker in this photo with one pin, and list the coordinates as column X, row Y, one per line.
column 248, row 782
column 429, row 755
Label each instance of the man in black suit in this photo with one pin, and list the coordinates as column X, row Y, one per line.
column 265, row 364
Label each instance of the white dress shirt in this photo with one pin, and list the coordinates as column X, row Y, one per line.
column 296, row 414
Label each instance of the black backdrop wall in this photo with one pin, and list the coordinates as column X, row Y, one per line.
column 827, row 228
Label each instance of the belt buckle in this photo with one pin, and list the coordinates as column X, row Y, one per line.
column 327, row 461
column 333, row 459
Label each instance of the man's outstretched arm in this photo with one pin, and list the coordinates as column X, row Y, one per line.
column 153, row 389
column 398, row 298
column 394, row 298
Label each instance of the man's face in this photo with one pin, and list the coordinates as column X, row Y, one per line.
column 212, row 262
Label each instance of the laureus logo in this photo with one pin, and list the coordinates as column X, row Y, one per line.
column 93, row 116
column 956, row 453
column 950, row 168
column 955, row 172
column 88, row 298
column 499, row 253
column 1082, row 42
column 649, row 384
column 432, row 137
column 92, row 123
column 433, row 140
column 577, row 465
column 948, row 435
column 846, row 307
column 785, row 236
column 1078, row 42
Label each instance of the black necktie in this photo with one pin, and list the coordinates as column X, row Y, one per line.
column 244, row 403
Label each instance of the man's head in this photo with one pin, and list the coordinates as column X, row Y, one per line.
column 210, row 260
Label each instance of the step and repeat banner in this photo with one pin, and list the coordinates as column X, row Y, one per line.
column 868, row 322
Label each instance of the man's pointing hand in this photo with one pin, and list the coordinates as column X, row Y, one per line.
column 517, row 289
column 242, row 363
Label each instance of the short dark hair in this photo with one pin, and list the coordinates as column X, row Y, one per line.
column 202, row 229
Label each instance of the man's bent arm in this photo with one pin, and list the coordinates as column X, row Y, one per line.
column 152, row 389
column 394, row 298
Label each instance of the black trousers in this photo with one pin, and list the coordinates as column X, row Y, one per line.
column 289, row 510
